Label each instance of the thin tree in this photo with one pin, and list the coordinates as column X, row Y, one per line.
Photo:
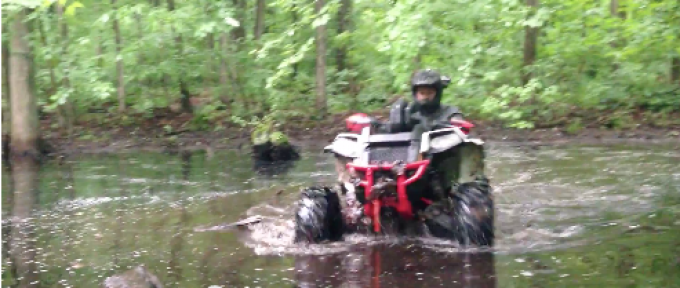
column 344, row 14
column 259, row 19
column 675, row 70
column 119, row 60
column 675, row 61
column 320, row 42
column 614, row 11
column 344, row 25
column 183, row 89
column 5, row 77
column 530, row 39
column 65, row 111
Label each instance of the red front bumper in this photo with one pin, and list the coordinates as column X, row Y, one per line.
column 401, row 203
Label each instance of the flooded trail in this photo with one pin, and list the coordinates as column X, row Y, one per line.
column 568, row 216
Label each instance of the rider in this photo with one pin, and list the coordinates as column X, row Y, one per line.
column 424, row 113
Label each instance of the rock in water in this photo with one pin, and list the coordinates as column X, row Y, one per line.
column 138, row 277
column 272, row 146
column 269, row 152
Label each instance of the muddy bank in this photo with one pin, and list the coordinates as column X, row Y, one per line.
column 171, row 135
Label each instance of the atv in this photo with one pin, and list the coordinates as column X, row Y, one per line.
column 443, row 193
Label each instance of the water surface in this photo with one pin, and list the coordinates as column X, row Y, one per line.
column 569, row 216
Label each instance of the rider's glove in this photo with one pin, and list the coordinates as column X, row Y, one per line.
column 376, row 124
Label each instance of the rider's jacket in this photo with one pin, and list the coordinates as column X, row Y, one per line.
column 404, row 117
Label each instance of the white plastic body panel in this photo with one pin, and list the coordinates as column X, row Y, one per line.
column 355, row 146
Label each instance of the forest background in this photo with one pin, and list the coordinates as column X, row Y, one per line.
column 102, row 69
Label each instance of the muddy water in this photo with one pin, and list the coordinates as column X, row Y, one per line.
column 571, row 216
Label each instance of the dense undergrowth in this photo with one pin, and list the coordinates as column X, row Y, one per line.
column 573, row 63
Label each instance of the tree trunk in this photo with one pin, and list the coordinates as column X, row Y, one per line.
column 614, row 11
column 344, row 14
column 675, row 70
column 295, row 20
column 5, row 79
column 185, row 101
column 210, row 67
column 208, row 83
column 530, row 39
column 53, row 78
column 613, row 7
column 239, row 32
column 5, row 66
column 260, row 96
column 228, row 75
column 140, row 54
column 186, row 97
column 100, row 50
column 675, row 63
column 140, row 36
column 224, row 73
column 25, row 129
column 119, row 61
column 162, row 79
column 320, row 62
column 259, row 19
column 345, row 25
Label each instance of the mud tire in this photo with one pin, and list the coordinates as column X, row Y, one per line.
column 318, row 216
column 468, row 218
column 473, row 213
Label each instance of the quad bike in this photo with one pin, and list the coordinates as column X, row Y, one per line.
column 442, row 193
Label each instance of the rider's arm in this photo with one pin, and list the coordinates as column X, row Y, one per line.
column 453, row 113
column 450, row 113
column 400, row 119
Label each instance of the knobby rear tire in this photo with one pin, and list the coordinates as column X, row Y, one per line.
column 474, row 214
column 318, row 216
column 469, row 217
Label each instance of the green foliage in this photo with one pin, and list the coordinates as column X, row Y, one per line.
column 575, row 126
column 205, row 116
column 587, row 59
column 200, row 122
column 265, row 131
column 278, row 138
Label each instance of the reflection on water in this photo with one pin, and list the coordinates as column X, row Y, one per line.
column 567, row 216
column 21, row 223
column 272, row 169
column 400, row 265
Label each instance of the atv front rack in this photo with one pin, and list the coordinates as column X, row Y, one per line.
column 401, row 202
